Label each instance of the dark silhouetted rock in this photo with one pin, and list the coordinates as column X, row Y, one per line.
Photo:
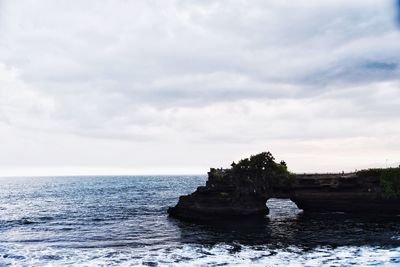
column 243, row 190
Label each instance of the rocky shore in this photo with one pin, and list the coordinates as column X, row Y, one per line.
column 243, row 190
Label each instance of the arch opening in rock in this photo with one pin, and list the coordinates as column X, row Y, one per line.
column 282, row 207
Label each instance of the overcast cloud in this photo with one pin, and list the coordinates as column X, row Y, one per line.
column 179, row 86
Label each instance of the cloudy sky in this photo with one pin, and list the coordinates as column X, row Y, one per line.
column 178, row 86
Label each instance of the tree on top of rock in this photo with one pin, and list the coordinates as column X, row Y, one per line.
column 262, row 165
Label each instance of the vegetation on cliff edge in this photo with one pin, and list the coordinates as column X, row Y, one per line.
column 389, row 180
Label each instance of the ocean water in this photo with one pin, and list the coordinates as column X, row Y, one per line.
column 122, row 221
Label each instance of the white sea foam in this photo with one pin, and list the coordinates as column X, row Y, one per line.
column 197, row 255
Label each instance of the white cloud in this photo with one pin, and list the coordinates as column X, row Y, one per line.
column 198, row 78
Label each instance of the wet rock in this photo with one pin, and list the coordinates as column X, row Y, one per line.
column 241, row 191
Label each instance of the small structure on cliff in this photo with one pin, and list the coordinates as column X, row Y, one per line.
column 243, row 190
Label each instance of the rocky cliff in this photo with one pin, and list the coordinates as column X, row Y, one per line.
column 351, row 192
column 243, row 190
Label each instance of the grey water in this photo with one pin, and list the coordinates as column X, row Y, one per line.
column 122, row 221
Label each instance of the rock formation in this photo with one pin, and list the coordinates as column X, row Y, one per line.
column 243, row 190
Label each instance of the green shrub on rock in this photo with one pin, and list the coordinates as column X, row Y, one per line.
column 389, row 180
column 263, row 167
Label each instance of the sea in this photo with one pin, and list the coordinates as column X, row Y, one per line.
column 123, row 221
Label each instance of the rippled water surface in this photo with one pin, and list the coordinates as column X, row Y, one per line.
column 122, row 221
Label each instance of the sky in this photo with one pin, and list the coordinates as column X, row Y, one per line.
column 177, row 87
